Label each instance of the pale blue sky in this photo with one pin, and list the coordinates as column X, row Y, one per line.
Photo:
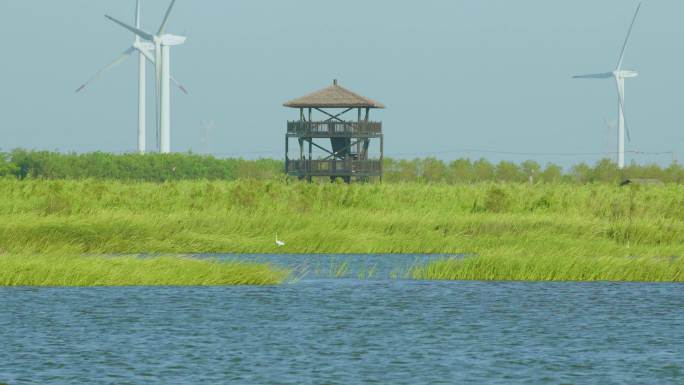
column 455, row 74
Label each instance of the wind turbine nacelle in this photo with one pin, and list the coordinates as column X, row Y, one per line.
column 144, row 45
column 626, row 74
column 170, row 40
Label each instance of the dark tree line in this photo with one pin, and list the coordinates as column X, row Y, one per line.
column 23, row 164
column 151, row 167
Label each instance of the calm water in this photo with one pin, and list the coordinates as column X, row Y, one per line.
column 346, row 331
column 365, row 266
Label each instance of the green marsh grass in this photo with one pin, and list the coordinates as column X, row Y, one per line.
column 586, row 269
column 559, row 221
column 62, row 270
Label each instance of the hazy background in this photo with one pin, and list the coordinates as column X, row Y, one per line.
column 490, row 75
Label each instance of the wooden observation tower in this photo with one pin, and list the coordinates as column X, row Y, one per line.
column 351, row 152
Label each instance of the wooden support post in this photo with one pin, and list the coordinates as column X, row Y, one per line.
column 358, row 127
column 308, row 164
column 287, row 151
column 382, row 154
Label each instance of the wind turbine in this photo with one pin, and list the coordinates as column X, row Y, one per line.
column 619, row 75
column 162, row 49
column 609, row 126
column 207, row 128
column 143, row 48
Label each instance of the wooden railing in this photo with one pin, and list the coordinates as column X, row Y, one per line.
column 334, row 167
column 332, row 128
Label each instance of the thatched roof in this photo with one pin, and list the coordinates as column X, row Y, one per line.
column 334, row 96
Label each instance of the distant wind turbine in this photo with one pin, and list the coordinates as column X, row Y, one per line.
column 162, row 49
column 608, row 130
column 207, row 128
column 144, row 50
column 619, row 75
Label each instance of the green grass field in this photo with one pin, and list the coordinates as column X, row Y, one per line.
column 62, row 270
column 556, row 221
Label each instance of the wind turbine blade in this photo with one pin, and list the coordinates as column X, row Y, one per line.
column 621, row 98
column 147, row 55
column 145, row 35
column 629, row 33
column 605, row 75
column 179, row 85
column 137, row 14
column 606, row 122
column 158, row 68
column 166, row 18
column 150, row 59
column 108, row 67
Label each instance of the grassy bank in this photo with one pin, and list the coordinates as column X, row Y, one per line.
column 62, row 270
column 586, row 269
column 98, row 217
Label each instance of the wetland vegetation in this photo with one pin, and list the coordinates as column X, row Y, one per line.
column 544, row 230
column 66, row 270
column 92, row 216
column 543, row 268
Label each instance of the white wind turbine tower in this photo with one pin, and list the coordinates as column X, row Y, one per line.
column 619, row 75
column 207, row 129
column 144, row 50
column 162, row 49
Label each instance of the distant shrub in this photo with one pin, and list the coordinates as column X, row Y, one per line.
column 496, row 200
column 542, row 203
